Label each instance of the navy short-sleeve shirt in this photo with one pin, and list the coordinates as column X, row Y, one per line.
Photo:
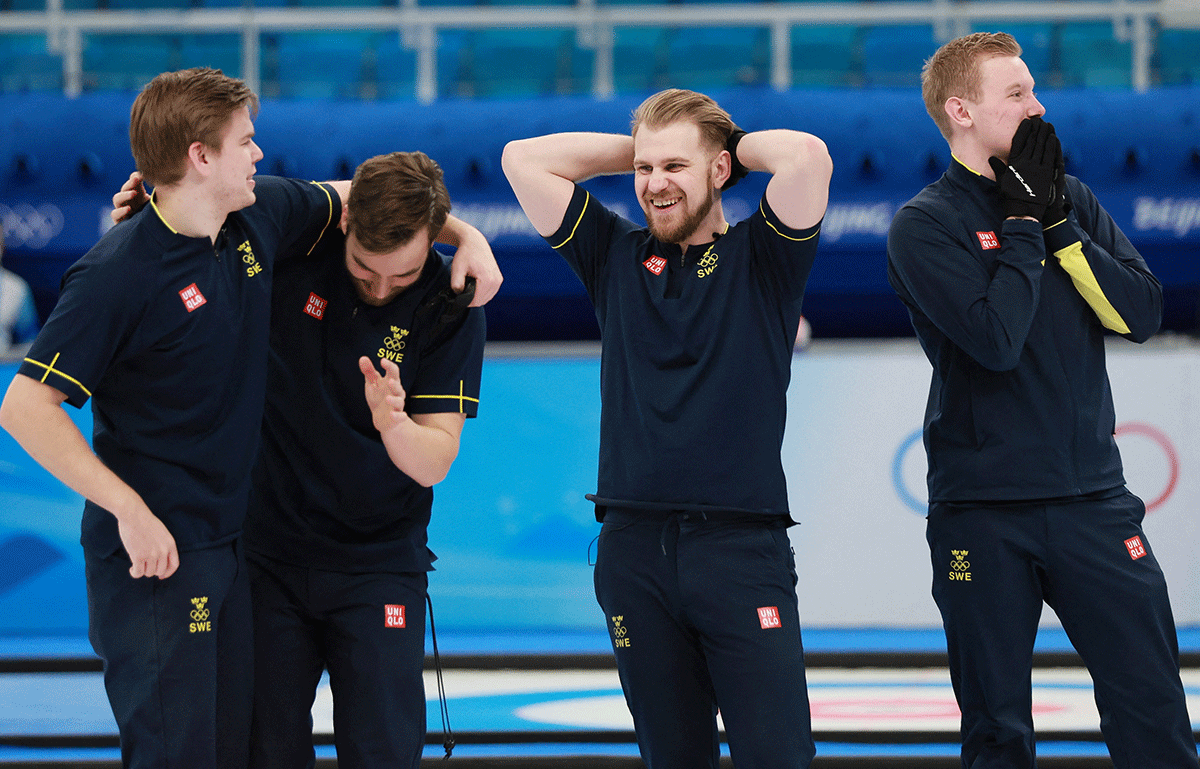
column 326, row 493
column 696, row 351
column 167, row 335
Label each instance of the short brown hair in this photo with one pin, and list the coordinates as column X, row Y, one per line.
column 953, row 70
column 674, row 105
column 395, row 196
column 176, row 109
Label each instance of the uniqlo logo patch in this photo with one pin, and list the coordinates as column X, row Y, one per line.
column 1136, row 548
column 315, row 306
column 192, row 298
column 655, row 264
column 393, row 615
column 988, row 240
column 768, row 617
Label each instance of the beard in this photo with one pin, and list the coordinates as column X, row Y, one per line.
column 685, row 227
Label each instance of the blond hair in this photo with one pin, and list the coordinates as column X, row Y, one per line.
column 675, row 105
column 953, row 70
column 179, row 108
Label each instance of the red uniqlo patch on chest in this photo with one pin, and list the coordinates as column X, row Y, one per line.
column 1136, row 548
column 768, row 617
column 988, row 240
column 192, row 298
column 393, row 615
column 655, row 264
column 315, row 306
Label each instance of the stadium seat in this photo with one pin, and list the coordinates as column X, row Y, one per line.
column 26, row 65
column 395, row 69
column 719, row 57
column 1178, row 56
column 1037, row 41
column 144, row 5
column 22, row 5
column 343, row 3
column 1092, row 57
column 640, row 59
column 826, row 55
column 318, row 65
column 894, row 55
column 127, row 62
column 520, row 62
column 223, row 52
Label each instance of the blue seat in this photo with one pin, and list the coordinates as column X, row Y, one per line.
column 640, row 59
column 26, row 65
column 127, row 62
column 343, row 3
column 719, row 57
column 454, row 63
column 826, row 55
column 144, row 5
column 1178, row 59
column 317, row 65
column 519, row 62
column 894, row 55
column 1092, row 57
column 22, row 5
column 395, row 69
column 243, row 3
column 222, row 51
column 1037, row 39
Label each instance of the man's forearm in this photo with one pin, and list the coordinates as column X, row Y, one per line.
column 573, row 156
column 34, row 416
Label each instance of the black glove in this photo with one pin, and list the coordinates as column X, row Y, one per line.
column 1056, row 212
column 737, row 171
column 1027, row 181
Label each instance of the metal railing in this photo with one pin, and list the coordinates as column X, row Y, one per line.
column 1132, row 21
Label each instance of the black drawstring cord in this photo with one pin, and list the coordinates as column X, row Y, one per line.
column 447, row 735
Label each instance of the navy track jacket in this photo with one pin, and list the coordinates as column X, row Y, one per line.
column 1013, row 321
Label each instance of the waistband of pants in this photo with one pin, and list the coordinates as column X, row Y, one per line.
column 632, row 515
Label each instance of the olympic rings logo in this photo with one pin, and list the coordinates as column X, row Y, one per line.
column 25, row 225
column 199, row 614
column 1153, row 434
column 392, row 343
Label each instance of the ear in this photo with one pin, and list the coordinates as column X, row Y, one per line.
column 345, row 220
column 722, row 168
column 958, row 112
column 199, row 157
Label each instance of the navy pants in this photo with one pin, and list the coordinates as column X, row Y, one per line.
column 368, row 630
column 1090, row 561
column 177, row 658
column 703, row 615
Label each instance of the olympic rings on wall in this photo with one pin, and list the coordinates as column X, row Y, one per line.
column 918, row 504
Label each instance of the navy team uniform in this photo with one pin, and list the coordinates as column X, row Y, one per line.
column 336, row 533
column 694, row 570
column 1027, row 497
column 167, row 335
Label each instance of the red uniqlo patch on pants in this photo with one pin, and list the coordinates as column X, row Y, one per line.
column 393, row 615
column 1136, row 549
column 768, row 616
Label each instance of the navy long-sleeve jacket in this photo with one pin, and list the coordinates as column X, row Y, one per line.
column 1013, row 321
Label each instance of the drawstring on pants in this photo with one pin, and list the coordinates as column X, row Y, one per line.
column 447, row 735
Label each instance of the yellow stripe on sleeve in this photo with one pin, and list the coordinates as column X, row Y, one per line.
column 460, row 398
column 51, row 370
column 1075, row 263
column 577, row 221
column 783, row 235
column 328, row 197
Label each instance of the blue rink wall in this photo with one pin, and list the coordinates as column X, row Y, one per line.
column 514, row 533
